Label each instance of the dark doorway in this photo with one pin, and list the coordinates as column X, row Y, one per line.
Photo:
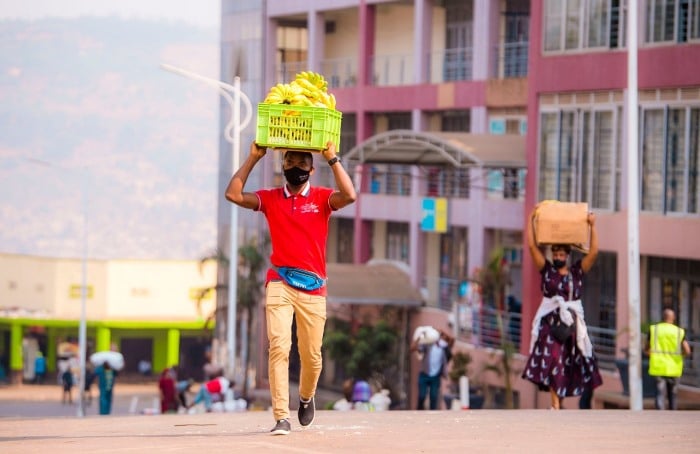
column 134, row 350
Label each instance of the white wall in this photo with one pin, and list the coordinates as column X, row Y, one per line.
column 121, row 289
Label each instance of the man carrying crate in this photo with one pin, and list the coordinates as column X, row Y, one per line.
column 297, row 216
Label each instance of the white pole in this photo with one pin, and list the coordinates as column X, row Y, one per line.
column 82, row 328
column 233, row 255
column 633, row 277
column 232, row 133
column 82, row 331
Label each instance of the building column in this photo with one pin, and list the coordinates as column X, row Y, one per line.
column 172, row 354
column 317, row 32
column 51, row 348
column 422, row 24
column 103, row 339
column 16, row 335
column 416, row 257
column 485, row 38
column 476, row 238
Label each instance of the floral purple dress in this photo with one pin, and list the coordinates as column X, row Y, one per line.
column 560, row 366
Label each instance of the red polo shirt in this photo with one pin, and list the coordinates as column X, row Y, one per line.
column 298, row 226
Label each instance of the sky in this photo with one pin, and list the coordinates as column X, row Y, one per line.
column 86, row 105
column 202, row 13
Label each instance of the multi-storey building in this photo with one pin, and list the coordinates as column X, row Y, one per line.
column 484, row 108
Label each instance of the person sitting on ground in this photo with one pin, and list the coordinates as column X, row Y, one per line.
column 210, row 390
column 345, row 403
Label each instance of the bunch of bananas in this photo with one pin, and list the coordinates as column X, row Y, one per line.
column 307, row 89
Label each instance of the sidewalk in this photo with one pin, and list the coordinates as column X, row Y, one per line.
column 480, row 431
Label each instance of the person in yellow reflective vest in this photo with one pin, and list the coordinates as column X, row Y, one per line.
column 666, row 347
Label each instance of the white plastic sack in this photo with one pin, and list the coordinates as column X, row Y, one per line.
column 426, row 335
column 115, row 359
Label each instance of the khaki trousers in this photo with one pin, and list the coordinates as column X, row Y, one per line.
column 281, row 303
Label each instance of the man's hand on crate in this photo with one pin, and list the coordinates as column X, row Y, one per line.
column 329, row 152
column 257, row 151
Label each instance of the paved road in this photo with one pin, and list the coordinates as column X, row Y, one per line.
column 479, row 431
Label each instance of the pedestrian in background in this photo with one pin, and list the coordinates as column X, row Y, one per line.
column 106, row 376
column 434, row 360
column 297, row 216
column 89, row 379
column 168, row 391
column 666, row 346
column 39, row 368
column 67, row 382
column 211, row 390
column 561, row 353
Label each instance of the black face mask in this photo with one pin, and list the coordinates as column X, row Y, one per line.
column 559, row 263
column 296, row 176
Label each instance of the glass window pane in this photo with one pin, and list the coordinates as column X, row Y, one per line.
column 598, row 23
column 587, row 152
column 694, row 20
column 553, row 13
column 675, row 161
column 397, row 241
column 548, row 156
column 567, row 158
column 661, row 18
column 573, row 19
column 652, row 160
column 603, row 160
column 694, row 163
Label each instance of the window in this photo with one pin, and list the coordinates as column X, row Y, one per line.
column 447, row 182
column 397, row 241
column 348, row 134
column 672, row 20
column 670, row 161
column 458, row 40
column 455, row 121
column 578, row 157
column 600, row 291
column 454, row 266
column 292, row 45
column 581, row 24
column 346, row 231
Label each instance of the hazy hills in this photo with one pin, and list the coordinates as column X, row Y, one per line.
column 87, row 95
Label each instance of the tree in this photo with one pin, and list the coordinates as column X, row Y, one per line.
column 251, row 264
column 492, row 281
column 369, row 353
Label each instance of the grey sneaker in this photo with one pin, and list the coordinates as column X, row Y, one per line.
column 281, row 428
column 307, row 411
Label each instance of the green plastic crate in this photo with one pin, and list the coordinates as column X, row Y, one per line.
column 301, row 127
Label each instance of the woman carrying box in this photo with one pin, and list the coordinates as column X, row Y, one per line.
column 561, row 354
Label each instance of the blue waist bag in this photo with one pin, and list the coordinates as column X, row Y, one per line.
column 300, row 279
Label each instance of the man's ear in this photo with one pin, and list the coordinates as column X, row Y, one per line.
column 311, row 172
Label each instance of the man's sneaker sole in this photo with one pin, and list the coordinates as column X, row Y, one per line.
column 282, row 428
column 304, row 409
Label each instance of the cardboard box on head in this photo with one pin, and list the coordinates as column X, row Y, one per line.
column 562, row 223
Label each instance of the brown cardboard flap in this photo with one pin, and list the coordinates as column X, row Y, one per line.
column 562, row 223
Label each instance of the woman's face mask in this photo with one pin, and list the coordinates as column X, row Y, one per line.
column 558, row 264
column 296, row 176
column 442, row 343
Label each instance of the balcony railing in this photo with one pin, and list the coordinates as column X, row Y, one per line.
column 386, row 70
column 510, row 60
column 286, row 72
column 340, row 72
column 450, row 65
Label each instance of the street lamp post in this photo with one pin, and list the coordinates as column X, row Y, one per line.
column 82, row 327
column 232, row 134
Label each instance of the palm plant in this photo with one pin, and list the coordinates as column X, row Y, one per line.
column 492, row 281
column 249, row 291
